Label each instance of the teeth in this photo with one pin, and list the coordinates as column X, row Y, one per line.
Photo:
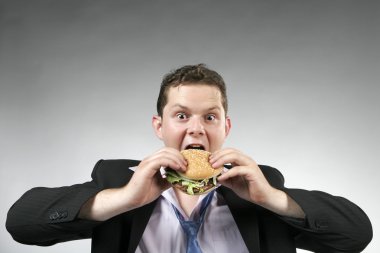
column 195, row 146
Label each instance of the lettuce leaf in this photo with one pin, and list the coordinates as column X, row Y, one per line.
column 191, row 185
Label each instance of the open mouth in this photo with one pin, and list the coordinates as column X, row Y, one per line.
column 195, row 146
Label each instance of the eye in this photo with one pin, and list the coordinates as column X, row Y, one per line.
column 181, row 116
column 210, row 117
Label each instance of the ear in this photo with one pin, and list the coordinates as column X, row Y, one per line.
column 228, row 125
column 157, row 125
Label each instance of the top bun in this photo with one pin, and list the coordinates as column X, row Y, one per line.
column 198, row 165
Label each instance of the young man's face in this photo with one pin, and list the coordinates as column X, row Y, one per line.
column 193, row 116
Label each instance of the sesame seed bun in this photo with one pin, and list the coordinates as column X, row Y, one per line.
column 198, row 166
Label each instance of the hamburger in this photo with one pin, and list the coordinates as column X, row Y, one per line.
column 200, row 176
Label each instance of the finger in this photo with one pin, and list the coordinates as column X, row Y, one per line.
column 152, row 166
column 217, row 155
column 166, row 158
column 238, row 171
column 251, row 175
column 175, row 155
column 231, row 156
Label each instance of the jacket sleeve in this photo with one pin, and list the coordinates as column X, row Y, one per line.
column 45, row 216
column 332, row 223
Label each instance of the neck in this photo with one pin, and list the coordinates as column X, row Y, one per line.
column 186, row 201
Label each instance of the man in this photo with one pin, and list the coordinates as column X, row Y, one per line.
column 130, row 207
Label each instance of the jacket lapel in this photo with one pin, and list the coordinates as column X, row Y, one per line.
column 245, row 217
column 139, row 223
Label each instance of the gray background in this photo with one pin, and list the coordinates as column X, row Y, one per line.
column 79, row 80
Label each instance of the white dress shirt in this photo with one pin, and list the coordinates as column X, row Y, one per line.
column 218, row 233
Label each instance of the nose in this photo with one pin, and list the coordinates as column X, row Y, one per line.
column 196, row 127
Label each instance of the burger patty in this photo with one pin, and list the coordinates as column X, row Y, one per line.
column 204, row 188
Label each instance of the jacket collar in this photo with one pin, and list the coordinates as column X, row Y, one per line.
column 139, row 223
column 245, row 217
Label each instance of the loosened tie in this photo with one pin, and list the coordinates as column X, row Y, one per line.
column 191, row 227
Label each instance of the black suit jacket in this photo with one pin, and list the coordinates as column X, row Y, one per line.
column 45, row 216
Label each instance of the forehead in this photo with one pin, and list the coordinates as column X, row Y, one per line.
column 194, row 96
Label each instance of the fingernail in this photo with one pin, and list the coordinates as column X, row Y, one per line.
column 214, row 165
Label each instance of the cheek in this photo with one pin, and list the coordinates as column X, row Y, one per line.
column 217, row 135
column 171, row 128
column 172, row 133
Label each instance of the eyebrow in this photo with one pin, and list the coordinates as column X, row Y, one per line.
column 187, row 108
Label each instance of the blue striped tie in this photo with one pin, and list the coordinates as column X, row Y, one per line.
column 191, row 228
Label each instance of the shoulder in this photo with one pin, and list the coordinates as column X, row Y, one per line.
column 113, row 173
column 273, row 175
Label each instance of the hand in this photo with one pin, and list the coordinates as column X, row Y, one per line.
column 246, row 179
column 147, row 183
column 145, row 186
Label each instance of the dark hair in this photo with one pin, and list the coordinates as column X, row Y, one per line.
column 190, row 74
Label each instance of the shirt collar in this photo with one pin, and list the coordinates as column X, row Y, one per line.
column 169, row 195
